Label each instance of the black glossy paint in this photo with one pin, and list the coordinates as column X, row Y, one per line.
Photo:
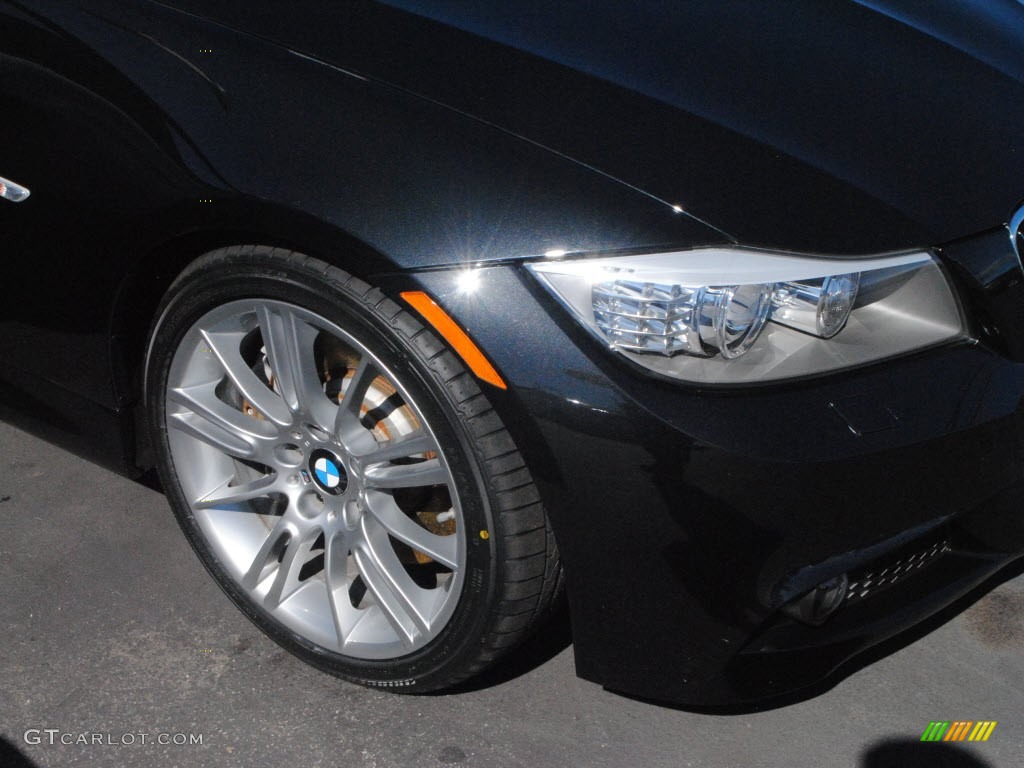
column 835, row 127
column 400, row 139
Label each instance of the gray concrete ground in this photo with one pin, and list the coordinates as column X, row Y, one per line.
column 109, row 626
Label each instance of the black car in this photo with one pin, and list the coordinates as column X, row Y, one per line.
column 725, row 298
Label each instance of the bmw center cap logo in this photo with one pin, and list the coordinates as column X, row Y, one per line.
column 328, row 472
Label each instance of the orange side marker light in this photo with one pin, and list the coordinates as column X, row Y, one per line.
column 461, row 343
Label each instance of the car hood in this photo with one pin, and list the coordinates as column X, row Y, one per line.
column 836, row 127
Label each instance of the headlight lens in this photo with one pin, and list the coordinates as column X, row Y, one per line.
column 735, row 315
column 731, row 317
column 819, row 306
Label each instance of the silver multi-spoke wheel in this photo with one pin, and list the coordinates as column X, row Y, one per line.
column 341, row 474
column 315, row 478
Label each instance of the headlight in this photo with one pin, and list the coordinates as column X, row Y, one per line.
column 736, row 315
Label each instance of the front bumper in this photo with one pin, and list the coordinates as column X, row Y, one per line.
column 687, row 519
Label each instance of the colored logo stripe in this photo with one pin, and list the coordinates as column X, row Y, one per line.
column 935, row 731
column 982, row 730
column 958, row 730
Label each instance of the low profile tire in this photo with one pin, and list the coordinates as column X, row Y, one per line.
column 341, row 475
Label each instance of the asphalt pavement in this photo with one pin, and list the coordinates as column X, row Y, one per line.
column 117, row 649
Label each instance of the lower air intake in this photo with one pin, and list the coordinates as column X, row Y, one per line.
column 866, row 583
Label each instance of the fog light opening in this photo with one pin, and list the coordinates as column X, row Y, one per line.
column 816, row 606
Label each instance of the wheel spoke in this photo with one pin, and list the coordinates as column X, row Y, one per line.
column 226, row 494
column 443, row 549
column 289, row 344
column 286, row 580
column 410, row 445
column 225, row 345
column 266, row 558
column 391, row 586
column 336, row 549
column 358, row 386
column 429, row 472
column 347, row 426
column 218, row 424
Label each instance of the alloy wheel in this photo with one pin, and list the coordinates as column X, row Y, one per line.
column 315, row 479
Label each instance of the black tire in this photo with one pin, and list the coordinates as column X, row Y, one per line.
column 513, row 574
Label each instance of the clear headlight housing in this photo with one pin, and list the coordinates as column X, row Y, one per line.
column 731, row 315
